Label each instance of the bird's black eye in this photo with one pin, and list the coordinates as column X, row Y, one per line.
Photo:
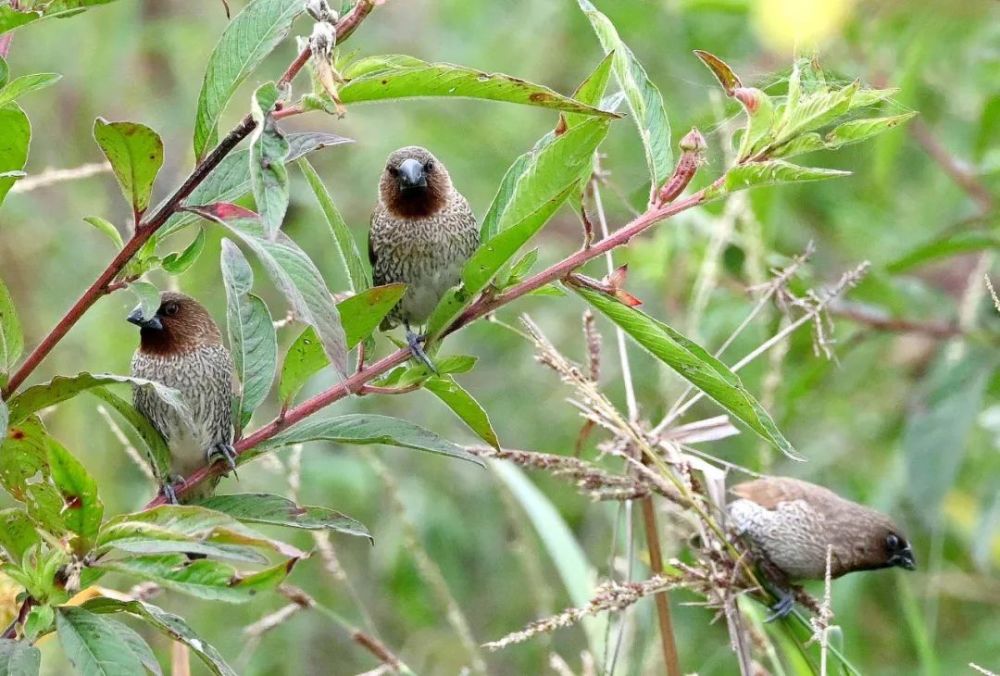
column 892, row 542
column 170, row 309
column 429, row 166
column 393, row 171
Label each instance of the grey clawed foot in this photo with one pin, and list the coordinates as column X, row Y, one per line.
column 783, row 607
column 226, row 453
column 168, row 491
column 413, row 342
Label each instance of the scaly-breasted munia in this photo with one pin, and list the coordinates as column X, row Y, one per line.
column 791, row 523
column 181, row 347
column 422, row 233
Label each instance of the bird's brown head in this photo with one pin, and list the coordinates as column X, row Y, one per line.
column 414, row 183
column 179, row 325
column 886, row 546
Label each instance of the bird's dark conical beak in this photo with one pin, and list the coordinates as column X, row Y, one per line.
column 136, row 317
column 904, row 559
column 411, row 175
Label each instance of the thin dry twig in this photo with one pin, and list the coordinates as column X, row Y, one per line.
column 50, row 176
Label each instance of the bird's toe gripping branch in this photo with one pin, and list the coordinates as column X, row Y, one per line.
column 168, row 491
column 784, row 605
column 225, row 453
column 413, row 342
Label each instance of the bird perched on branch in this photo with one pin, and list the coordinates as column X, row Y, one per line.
column 181, row 347
column 790, row 524
column 422, row 233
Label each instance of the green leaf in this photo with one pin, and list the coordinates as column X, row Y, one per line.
column 249, row 37
column 108, row 228
column 157, row 450
column 692, row 363
column 136, row 154
column 949, row 245
column 4, row 418
column 23, row 455
column 11, row 18
column 203, row 578
column 230, row 181
column 148, row 297
column 814, row 111
column 83, row 507
column 592, row 89
column 11, row 340
column 773, row 172
column 13, row 143
column 4, row 71
column 62, row 388
column 292, row 271
column 268, row 149
column 252, row 338
column 137, row 646
column 856, row 131
column 18, row 658
column 545, row 179
column 17, row 535
column 26, row 84
column 40, row 620
column 93, row 645
column 935, row 437
column 175, row 263
column 347, row 247
column 412, row 374
column 577, row 574
column 191, row 524
column 278, row 511
column 388, row 77
column 644, row 99
column 465, row 406
column 365, row 430
column 169, row 625
column 361, row 314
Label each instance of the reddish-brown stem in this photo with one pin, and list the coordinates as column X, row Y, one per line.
column 486, row 304
column 149, row 225
column 956, row 169
column 662, row 602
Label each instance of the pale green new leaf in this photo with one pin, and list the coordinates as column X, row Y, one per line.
column 176, row 263
column 26, row 84
column 108, row 228
column 774, row 172
column 148, row 297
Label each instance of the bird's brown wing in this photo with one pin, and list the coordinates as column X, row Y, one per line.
column 771, row 491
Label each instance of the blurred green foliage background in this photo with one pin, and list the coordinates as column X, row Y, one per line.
column 904, row 421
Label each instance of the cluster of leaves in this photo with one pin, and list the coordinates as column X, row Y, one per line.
column 59, row 542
